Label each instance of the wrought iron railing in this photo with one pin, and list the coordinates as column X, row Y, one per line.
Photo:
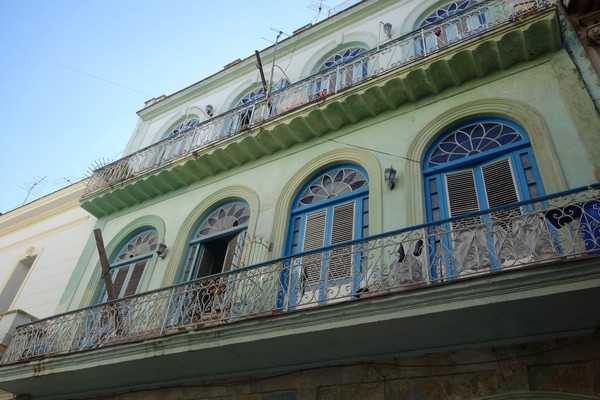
column 551, row 229
column 396, row 54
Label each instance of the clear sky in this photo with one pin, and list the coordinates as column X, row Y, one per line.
column 73, row 73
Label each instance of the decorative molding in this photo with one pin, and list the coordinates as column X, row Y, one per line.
column 95, row 283
column 44, row 234
column 351, row 155
column 46, row 207
column 521, row 113
column 289, row 46
column 178, row 250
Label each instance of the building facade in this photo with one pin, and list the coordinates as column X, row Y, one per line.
column 405, row 208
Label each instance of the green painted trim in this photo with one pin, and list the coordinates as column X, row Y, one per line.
column 356, row 156
column 285, row 48
column 76, row 281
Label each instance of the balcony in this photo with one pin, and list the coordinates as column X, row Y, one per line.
column 491, row 36
column 554, row 240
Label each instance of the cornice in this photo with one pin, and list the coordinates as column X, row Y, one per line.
column 46, row 233
column 286, row 47
column 48, row 206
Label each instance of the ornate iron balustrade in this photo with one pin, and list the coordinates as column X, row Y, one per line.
column 396, row 54
column 547, row 230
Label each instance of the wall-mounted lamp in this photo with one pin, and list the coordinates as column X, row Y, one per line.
column 388, row 176
column 387, row 29
column 161, row 250
column 209, row 110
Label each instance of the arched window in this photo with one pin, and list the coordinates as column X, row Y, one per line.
column 217, row 242
column 332, row 208
column 252, row 95
column 448, row 10
column 128, row 265
column 190, row 122
column 446, row 29
column 475, row 166
column 346, row 75
column 184, row 126
column 341, row 57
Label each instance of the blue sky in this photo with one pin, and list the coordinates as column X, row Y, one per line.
column 73, row 73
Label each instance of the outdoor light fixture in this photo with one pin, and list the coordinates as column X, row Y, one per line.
column 161, row 251
column 209, row 110
column 388, row 176
column 387, row 28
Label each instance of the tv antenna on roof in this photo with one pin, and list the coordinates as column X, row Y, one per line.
column 33, row 186
column 279, row 33
column 319, row 7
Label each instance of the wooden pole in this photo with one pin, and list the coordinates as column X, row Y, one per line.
column 104, row 264
column 262, row 73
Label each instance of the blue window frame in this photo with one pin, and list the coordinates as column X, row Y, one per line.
column 332, row 208
column 475, row 166
column 217, row 242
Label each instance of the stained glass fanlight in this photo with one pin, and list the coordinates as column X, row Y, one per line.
column 332, row 184
column 471, row 140
column 143, row 243
column 447, row 11
column 225, row 217
column 184, row 126
column 341, row 57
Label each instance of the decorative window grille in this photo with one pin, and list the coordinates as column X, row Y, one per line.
column 447, row 11
column 184, row 126
column 332, row 184
column 218, row 241
column 252, row 95
column 128, row 266
column 340, row 57
column 473, row 139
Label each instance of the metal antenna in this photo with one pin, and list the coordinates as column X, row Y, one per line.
column 318, row 6
column 33, row 186
column 68, row 179
column 279, row 33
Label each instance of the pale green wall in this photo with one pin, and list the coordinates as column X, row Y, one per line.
column 544, row 96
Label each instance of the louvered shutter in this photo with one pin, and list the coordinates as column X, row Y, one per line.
column 500, row 189
column 134, row 278
column 499, row 183
column 342, row 230
column 462, row 197
column 462, row 194
column 119, row 278
column 314, row 238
